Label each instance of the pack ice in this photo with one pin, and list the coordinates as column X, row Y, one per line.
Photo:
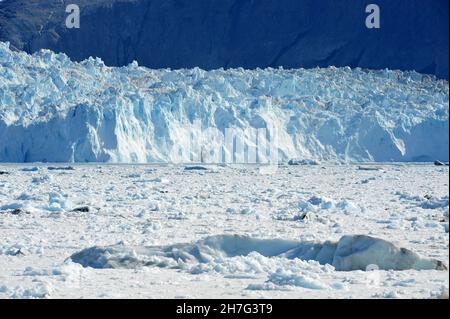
column 56, row 110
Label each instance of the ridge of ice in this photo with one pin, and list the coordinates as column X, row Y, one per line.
column 56, row 110
column 224, row 254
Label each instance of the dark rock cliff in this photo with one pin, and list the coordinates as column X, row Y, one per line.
column 237, row 33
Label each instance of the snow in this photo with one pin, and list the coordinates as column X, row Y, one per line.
column 186, row 236
column 290, row 278
column 39, row 292
column 55, row 110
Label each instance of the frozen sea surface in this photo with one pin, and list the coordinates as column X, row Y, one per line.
column 223, row 231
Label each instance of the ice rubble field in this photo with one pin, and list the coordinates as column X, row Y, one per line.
column 149, row 231
column 55, row 110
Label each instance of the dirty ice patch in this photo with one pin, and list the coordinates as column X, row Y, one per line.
column 20, row 249
column 43, row 179
column 18, row 206
column 30, row 169
column 349, row 253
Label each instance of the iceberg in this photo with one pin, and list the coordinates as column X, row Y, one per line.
column 350, row 253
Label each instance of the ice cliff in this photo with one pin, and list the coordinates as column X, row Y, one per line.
column 56, row 110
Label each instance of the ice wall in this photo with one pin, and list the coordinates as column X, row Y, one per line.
column 56, row 110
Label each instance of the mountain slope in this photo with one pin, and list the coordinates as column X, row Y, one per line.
column 236, row 33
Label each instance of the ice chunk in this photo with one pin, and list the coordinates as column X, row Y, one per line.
column 349, row 253
column 359, row 252
column 426, row 202
column 30, row 169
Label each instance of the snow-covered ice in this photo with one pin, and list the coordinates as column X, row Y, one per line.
column 226, row 231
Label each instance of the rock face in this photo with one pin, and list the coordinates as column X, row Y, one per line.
column 236, row 33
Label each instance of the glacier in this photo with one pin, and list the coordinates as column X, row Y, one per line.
column 55, row 110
